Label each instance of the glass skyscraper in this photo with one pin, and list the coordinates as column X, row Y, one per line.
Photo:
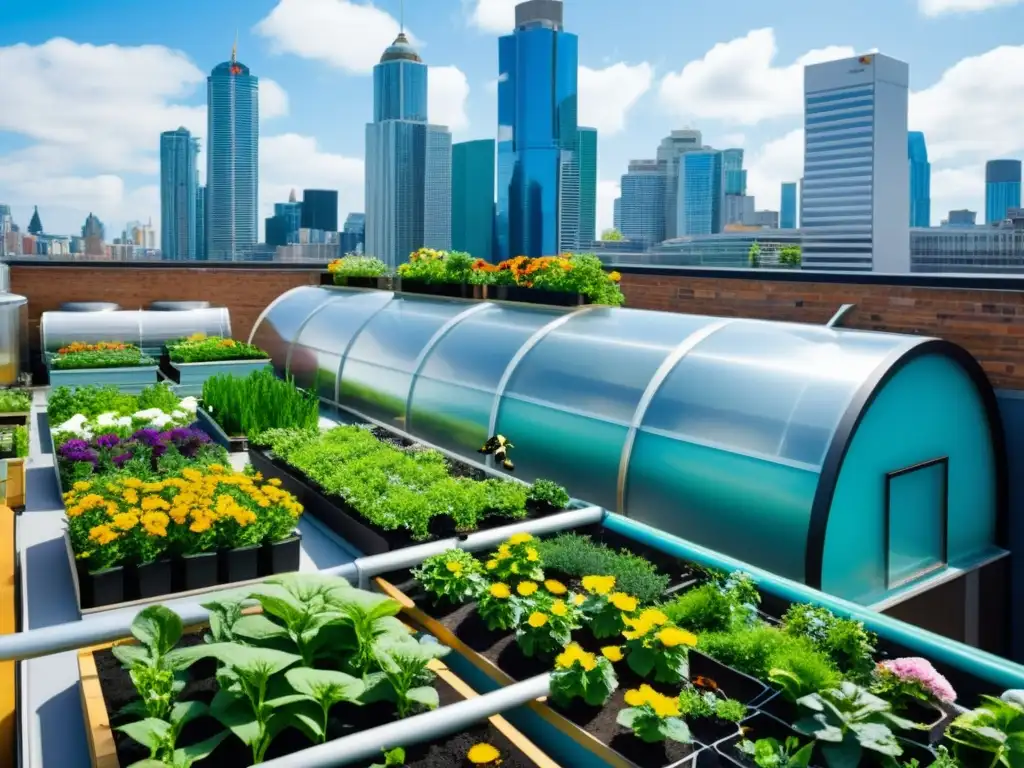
column 787, row 212
column 920, row 180
column 735, row 176
column 538, row 210
column 319, row 209
column 701, row 192
column 178, row 152
column 408, row 162
column 1002, row 188
column 200, row 223
column 642, row 203
column 232, row 159
column 473, row 198
column 586, row 150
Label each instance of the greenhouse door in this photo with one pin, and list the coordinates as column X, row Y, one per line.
column 916, row 514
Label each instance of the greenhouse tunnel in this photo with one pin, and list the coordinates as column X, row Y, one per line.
column 149, row 329
column 859, row 463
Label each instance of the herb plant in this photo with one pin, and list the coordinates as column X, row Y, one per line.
column 584, row 675
column 548, row 496
column 657, row 646
column 200, row 348
column 771, row 753
column 694, row 703
column 991, row 734
column 455, row 576
column 578, row 556
column 102, row 355
column 653, row 717
column 846, row 641
column 258, row 402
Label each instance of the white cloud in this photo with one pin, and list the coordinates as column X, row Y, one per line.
column 273, row 100
column 497, row 16
column 776, row 161
column 607, row 191
column 290, row 161
column 606, row 95
column 344, row 34
column 942, row 7
column 447, row 93
column 739, row 82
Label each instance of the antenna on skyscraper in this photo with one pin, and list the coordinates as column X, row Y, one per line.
column 234, row 49
column 401, row 16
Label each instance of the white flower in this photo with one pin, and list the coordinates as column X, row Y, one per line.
column 75, row 424
column 110, row 419
column 124, row 421
column 189, row 404
column 160, row 421
column 148, row 415
column 179, row 414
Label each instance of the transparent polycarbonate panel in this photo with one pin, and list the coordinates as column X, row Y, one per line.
column 58, row 329
column 602, row 360
column 376, row 374
column 316, row 355
column 577, row 451
column 160, row 327
column 276, row 330
column 451, row 416
column 771, row 389
column 755, row 510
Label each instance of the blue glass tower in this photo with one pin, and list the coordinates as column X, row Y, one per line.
column 473, row 198
column 232, row 159
column 701, row 193
column 787, row 212
column 1002, row 188
column 200, row 223
column 735, row 176
column 641, row 216
column 178, row 151
column 920, row 180
column 400, row 84
column 538, row 209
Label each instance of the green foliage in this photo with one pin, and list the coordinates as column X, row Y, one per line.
column 545, row 624
column 499, row 608
column 579, row 674
column 130, row 357
column 790, row 256
column 657, row 648
column 845, row 641
column 161, row 737
column 258, row 402
column 206, row 349
column 898, row 690
column 992, row 734
column 393, row 758
column 454, row 575
column 717, row 605
column 15, row 401
column 356, row 266
column 754, row 255
column 548, row 495
column 730, row 710
column 64, row 402
column 579, row 556
column 612, row 235
column 403, row 663
column 770, row 753
column 653, row 717
column 944, row 759
column 606, row 612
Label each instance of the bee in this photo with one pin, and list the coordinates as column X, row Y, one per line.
column 705, row 682
column 498, row 447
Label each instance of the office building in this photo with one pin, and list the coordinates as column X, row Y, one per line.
column 961, row 218
column 672, row 147
column 735, row 176
column 232, row 159
column 353, row 234
column 201, row 223
column 855, row 209
column 762, row 219
column 179, row 152
column 408, row 162
column 1002, row 188
column 641, row 219
column 473, row 198
column 586, row 151
column 787, row 209
column 700, row 197
column 617, row 213
column 538, row 170
column 920, row 171
column 737, row 209
column 319, row 209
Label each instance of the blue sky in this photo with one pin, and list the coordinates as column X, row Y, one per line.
column 87, row 85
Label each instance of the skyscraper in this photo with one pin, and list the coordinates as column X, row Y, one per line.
column 735, row 176
column 787, row 214
column 232, row 159
column 701, row 195
column 1002, row 188
column 200, row 223
column 538, row 168
column 672, row 147
column 473, row 198
column 408, row 162
column 617, row 213
column 178, row 153
column 641, row 215
column 586, row 150
column 855, row 208
column 920, row 180
column 319, row 209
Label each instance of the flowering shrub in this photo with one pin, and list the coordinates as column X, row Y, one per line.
column 499, row 607
column 545, row 622
column 85, row 427
column 569, row 273
column 606, row 610
column 454, row 575
column 583, row 675
column 653, row 717
column 431, row 266
column 105, row 354
column 517, row 559
column 656, row 645
column 101, row 346
column 64, row 402
column 357, row 266
column 129, row 520
column 906, row 679
column 200, row 348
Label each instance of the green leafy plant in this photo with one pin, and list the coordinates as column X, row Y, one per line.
column 161, row 738
column 499, row 608
column 730, row 710
column 21, row 445
column 404, row 664
column 454, row 575
column 653, row 717
column 548, row 496
column 993, row 731
column 848, row 720
column 771, row 753
column 606, row 610
column 326, row 687
column 944, row 759
column 201, row 348
column 517, row 559
column 102, row 356
column 258, row 402
column 393, row 758
column 656, row 646
column 545, row 624
column 579, row 674
column 356, row 266
column 845, row 641
column 694, row 703
column 15, row 401
column 578, row 556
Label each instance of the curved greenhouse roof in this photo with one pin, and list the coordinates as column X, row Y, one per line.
column 853, row 461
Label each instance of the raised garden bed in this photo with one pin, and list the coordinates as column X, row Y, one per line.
column 132, row 379
column 190, row 376
column 232, row 444
column 524, row 295
column 451, row 290
column 383, row 283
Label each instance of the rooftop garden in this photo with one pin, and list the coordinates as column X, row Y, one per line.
column 104, row 354
column 200, row 348
column 15, row 401
column 245, row 406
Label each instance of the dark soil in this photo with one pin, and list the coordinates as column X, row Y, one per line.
column 345, row 720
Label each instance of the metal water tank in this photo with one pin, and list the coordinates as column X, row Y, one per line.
column 89, row 306
column 178, row 306
column 13, row 339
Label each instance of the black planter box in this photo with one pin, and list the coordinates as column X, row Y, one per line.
column 209, row 425
column 239, row 564
column 149, row 580
column 523, row 295
column 198, row 571
column 381, row 283
column 14, row 419
column 100, row 588
column 934, row 719
column 280, row 556
column 451, row 290
column 733, row 683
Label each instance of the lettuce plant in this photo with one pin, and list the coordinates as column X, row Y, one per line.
column 657, row 646
column 995, row 730
column 771, row 753
column 653, row 717
column 454, row 575
column 579, row 674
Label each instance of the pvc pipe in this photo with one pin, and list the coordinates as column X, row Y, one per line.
column 413, row 730
column 995, row 670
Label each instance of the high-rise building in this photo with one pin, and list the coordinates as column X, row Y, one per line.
column 35, row 224
column 355, row 223
column 1002, row 188
column 232, row 159
column 735, row 176
column 292, row 215
column 538, row 209
column 408, row 162
column 961, row 218
column 642, row 204
column 319, row 209
column 617, row 213
column 700, row 198
column 737, row 209
column 473, row 198
column 920, row 171
column 353, row 235
column 787, row 212
column 672, row 147
column 93, row 227
column 855, row 208
column 178, row 153
column 586, row 150
column 201, row 223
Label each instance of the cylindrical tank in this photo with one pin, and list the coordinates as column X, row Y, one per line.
column 12, row 337
column 5, row 278
column 89, row 306
column 146, row 328
column 178, row 306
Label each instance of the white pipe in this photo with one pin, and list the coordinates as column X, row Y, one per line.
column 414, row 730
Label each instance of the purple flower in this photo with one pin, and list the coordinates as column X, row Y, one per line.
column 121, row 459
column 77, row 450
column 921, row 671
column 107, row 441
column 150, row 437
column 73, row 446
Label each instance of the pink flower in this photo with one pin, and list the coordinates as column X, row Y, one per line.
column 921, row 670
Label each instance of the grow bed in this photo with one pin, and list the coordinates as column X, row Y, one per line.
column 231, row 443
column 190, row 376
column 133, row 379
column 340, row 517
column 107, row 687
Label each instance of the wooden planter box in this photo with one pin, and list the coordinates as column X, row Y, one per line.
column 126, row 379
column 15, row 488
column 209, row 425
column 191, row 376
column 103, row 751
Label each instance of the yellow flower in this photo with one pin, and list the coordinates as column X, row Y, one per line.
column 623, row 602
column 133, row 482
column 612, row 652
column 555, row 587
column 155, row 523
column 614, row 276
column 483, row 754
column 150, row 503
column 82, row 485
column 130, row 496
column 532, row 555
column 644, row 623
column 559, row 608
column 500, row 591
column 537, row 619
column 635, row 698
column 102, row 534
column 670, row 637
column 454, row 566
column 578, row 600
column 124, row 521
column 519, row 538
column 599, row 585
column 491, row 565
column 526, row 588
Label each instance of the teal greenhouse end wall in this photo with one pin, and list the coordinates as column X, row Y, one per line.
column 936, row 411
